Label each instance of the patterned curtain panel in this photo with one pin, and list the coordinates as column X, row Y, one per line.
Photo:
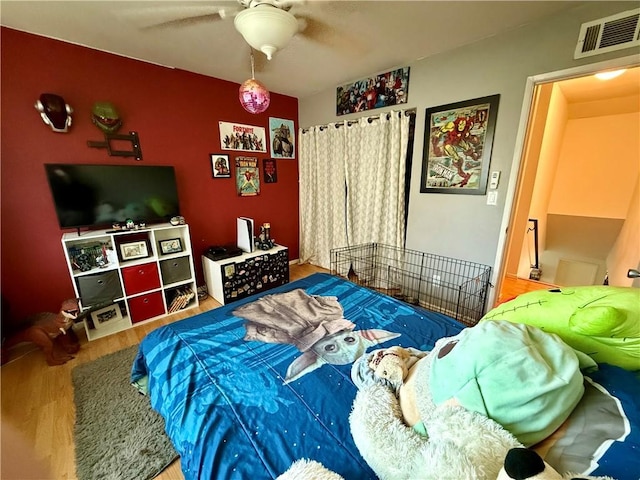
column 375, row 166
column 322, row 193
column 352, row 185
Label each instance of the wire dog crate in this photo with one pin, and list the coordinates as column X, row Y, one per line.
column 457, row 288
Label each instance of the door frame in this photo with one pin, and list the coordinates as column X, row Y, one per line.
column 516, row 175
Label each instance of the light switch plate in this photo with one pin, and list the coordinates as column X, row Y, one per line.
column 495, row 179
column 492, row 198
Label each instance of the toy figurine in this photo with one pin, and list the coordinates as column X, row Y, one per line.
column 51, row 332
column 264, row 241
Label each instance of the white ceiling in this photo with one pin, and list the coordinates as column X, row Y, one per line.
column 589, row 88
column 343, row 40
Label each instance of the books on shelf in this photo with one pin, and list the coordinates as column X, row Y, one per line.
column 182, row 297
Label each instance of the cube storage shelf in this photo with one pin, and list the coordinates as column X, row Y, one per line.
column 123, row 278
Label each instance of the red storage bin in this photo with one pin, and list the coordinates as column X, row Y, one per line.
column 146, row 306
column 140, row 278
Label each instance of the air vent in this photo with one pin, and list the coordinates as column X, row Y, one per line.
column 609, row 34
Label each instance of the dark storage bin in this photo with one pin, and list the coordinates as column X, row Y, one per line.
column 99, row 288
column 175, row 270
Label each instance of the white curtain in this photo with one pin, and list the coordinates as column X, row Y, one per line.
column 352, row 185
column 375, row 165
column 322, row 193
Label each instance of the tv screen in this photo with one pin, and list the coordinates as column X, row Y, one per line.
column 98, row 196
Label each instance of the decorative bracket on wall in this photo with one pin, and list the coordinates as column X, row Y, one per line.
column 135, row 151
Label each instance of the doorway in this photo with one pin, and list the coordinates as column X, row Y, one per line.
column 573, row 218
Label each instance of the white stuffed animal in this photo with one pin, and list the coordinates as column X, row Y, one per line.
column 519, row 464
column 305, row 469
column 460, row 444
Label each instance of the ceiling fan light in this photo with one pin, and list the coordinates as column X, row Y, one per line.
column 266, row 28
column 254, row 96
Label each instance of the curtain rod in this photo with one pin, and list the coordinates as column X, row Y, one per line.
column 408, row 113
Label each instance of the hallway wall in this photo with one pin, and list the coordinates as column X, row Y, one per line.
column 597, row 169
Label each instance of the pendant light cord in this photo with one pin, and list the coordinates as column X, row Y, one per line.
column 253, row 75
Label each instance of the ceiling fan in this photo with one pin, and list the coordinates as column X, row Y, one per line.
column 266, row 25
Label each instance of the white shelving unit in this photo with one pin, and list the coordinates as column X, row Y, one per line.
column 126, row 277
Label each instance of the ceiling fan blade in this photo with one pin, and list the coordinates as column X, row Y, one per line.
column 287, row 4
column 166, row 16
column 281, row 4
column 327, row 35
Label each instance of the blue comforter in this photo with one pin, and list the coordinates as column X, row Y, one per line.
column 245, row 408
column 248, row 388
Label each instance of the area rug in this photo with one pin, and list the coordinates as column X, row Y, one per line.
column 117, row 434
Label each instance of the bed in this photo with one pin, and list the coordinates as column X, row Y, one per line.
column 246, row 396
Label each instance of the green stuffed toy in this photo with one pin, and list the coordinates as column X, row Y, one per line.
column 601, row 321
column 527, row 380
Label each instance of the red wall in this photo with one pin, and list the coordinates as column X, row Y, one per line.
column 176, row 115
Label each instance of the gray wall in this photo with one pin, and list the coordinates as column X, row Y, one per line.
column 464, row 226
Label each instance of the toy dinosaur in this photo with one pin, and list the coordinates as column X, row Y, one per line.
column 51, row 332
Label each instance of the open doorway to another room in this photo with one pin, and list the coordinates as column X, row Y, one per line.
column 576, row 210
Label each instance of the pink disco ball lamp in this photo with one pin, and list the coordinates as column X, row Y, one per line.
column 254, row 96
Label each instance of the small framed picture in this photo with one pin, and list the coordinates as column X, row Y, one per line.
column 106, row 315
column 283, row 138
column 220, row 165
column 173, row 245
column 270, row 170
column 133, row 250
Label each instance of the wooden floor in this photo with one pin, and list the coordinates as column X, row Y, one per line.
column 37, row 400
column 513, row 286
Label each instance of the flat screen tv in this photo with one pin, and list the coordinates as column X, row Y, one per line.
column 97, row 196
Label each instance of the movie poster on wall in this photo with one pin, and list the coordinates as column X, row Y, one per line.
column 382, row 90
column 246, row 138
column 270, row 170
column 283, row 138
column 247, row 176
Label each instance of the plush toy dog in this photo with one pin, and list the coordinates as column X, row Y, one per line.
column 51, row 332
column 391, row 364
